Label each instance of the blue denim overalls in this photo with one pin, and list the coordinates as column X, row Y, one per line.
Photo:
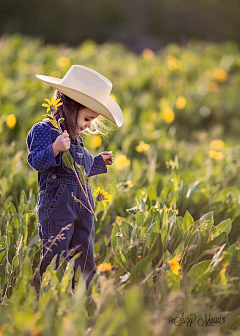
column 56, row 207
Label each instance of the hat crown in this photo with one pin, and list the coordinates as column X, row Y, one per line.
column 88, row 82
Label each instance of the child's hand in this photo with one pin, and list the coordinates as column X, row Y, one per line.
column 61, row 144
column 107, row 157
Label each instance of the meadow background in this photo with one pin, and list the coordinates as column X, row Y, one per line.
column 168, row 243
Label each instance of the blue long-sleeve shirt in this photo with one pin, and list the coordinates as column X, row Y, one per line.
column 41, row 158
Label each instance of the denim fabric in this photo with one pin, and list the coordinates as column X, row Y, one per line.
column 64, row 224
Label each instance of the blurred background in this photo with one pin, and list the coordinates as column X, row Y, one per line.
column 138, row 24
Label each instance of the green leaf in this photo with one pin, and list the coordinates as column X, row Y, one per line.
column 137, row 271
column 2, row 248
column 199, row 270
column 219, row 240
column 187, row 222
column 192, row 189
column 82, row 174
column 67, row 159
column 224, row 226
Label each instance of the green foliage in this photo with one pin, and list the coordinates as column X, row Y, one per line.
column 171, row 232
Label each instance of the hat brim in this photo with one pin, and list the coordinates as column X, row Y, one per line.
column 110, row 111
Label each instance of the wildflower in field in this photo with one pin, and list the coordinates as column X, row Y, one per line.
column 174, row 265
column 148, row 54
column 129, row 184
column 122, row 162
column 173, row 63
column 11, row 120
column 102, row 196
column 220, row 75
column 216, row 144
column 96, row 141
column 168, row 115
column 215, row 155
column 63, row 62
column 118, row 219
column 181, row 102
column 142, row 147
column 104, row 267
column 53, row 104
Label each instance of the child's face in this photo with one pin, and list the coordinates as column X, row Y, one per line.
column 85, row 117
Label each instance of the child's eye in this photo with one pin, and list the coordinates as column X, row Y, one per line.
column 86, row 119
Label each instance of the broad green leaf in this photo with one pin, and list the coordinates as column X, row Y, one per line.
column 219, row 240
column 207, row 218
column 68, row 274
column 67, row 159
column 187, row 222
column 137, row 271
column 82, row 174
column 127, row 230
column 2, row 248
column 198, row 271
column 192, row 189
column 217, row 256
column 224, row 226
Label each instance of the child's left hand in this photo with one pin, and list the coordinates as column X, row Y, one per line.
column 107, row 157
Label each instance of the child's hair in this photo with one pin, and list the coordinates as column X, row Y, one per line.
column 69, row 111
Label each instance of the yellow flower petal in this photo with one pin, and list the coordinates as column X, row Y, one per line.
column 45, row 105
column 11, row 121
column 215, row 155
column 181, row 102
column 104, row 267
column 174, row 265
column 216, row 144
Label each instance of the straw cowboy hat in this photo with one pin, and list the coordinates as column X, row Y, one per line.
column 89, row 88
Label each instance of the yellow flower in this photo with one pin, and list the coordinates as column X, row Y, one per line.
column 142, row 147
column 129, row 184
column 122, row 162
column 168, row 115
column 148, row 54
column 181, row 102
column 63, row 62
column 102, row 196
column 53, row 104
column 118, row 219
column 215, row 155
column 174, row 265
column 220, row 75
column 216, row 144
column 11, row 120
column 96, row 141
column 172, row 62
column 104, row 267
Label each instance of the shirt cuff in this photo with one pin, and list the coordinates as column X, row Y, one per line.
column 99, row 166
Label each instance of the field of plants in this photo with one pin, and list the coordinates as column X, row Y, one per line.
column 167, row 244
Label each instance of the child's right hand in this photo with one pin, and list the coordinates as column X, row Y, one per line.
column 61, row 144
